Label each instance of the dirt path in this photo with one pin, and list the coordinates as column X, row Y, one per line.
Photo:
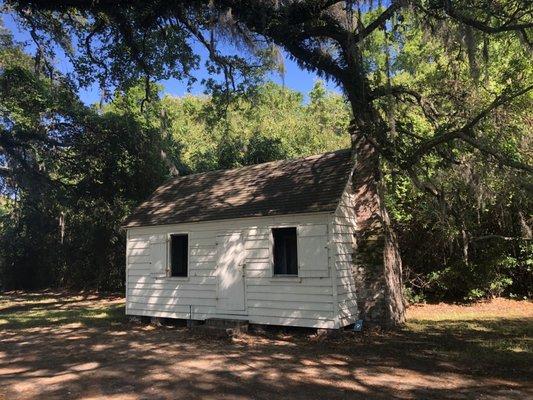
column 72, row 358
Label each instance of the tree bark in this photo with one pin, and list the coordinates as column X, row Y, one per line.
column 378, row 265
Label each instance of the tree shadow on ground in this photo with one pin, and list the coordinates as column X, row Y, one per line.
column 80, row 359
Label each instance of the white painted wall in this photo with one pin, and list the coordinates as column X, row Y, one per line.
column 309, row 300
column 343, row 247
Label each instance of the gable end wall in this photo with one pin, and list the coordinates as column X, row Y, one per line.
column 343, row 248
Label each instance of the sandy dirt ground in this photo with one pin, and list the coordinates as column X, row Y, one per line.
column 57, row 346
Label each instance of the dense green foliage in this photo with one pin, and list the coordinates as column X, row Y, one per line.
column 463, row 218
column 270, row 123
column 75, row 174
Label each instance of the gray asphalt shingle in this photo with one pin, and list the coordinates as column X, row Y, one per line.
column 310, row 184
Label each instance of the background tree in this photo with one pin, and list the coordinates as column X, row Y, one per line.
column 70, row 176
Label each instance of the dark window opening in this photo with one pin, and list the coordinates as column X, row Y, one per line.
column 285, row 251
column 179, row 254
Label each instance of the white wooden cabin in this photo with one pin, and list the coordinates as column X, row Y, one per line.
column 270, row 243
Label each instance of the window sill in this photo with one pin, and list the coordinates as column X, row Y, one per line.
column 286, row 278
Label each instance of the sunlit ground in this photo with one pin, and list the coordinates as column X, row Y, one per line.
column 80, row 346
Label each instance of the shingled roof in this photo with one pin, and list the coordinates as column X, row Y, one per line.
column 310, row 184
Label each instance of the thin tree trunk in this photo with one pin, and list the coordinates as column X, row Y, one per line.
column 169, row 164
column 164, row 156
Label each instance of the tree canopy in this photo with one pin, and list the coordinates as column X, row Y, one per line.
column 364, row 46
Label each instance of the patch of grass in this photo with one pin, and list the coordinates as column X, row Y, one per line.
column 41, row 311
column 12, row 300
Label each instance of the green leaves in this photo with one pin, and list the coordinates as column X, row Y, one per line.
column 267, row 124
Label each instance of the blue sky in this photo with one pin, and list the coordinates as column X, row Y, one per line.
column 294, row 78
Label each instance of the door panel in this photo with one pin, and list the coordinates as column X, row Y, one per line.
column 230, row 273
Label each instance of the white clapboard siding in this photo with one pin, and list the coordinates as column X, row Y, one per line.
column 290, row 305
column 255, row 243
column 161, row 309
column 343, row 248
column 188, row 292
column 166, row 286
column 197, row 265
column 258, row 254
column 139, row 251
column 202, row 251
column 172, row 301
column 205, row 258
column 292, row 313
column 202, row 287
column 306, row 300
column 290, row 297
column 258, row 231
column 287, row 283
column 143, row 268
column 141, row 259
column 274, row 289
column 147, row 237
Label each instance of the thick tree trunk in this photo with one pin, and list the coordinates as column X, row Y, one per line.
column 378, row 266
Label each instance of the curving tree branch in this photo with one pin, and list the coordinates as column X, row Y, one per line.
column 380, row 21
column 472, row 141
column 465, row 133
column 508, row 26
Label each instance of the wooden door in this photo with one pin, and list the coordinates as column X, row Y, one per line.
column 230, row 273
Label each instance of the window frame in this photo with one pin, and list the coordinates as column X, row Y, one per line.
column 289, row 277
column 169, row 256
